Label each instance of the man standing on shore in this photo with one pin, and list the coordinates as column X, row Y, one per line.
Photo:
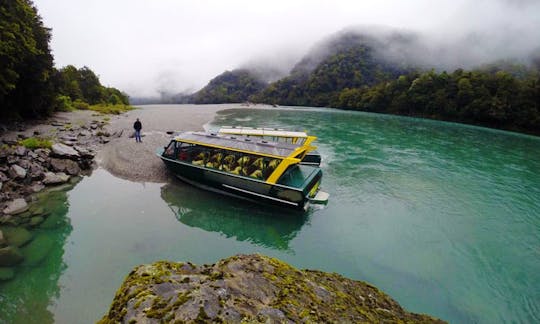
column 138, row 126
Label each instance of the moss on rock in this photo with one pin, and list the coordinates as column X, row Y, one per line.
column 249, row 288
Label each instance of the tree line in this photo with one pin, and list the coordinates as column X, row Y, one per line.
column 30, row 85
column 493, row 99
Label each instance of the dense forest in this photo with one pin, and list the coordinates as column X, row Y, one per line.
column 498, row 100
column 30, row 86
column 353, row 72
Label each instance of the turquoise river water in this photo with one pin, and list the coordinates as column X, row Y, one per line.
column 445, row 218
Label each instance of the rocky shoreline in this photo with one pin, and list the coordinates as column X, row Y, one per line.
column 250, row 289
column 25, row 172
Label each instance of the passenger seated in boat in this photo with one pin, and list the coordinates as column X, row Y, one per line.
column 244, row 160
column 200, row 158
column 215, row 160
column 228, row 163
column 236, row 170
column 182, row 154
column 256, row 174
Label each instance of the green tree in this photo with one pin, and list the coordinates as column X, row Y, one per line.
column 26, row 64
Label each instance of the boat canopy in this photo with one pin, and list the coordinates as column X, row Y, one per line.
column 273, row 132
column 245, row 144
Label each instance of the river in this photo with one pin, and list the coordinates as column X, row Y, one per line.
column 443, row 217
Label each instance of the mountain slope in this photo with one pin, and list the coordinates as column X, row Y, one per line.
column 350, row 60
column 229, row 87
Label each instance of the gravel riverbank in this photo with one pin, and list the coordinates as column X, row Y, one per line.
column 134, row 161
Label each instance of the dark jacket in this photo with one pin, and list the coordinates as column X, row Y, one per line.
column 137, row 125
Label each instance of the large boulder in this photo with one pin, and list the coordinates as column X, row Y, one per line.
column 10, row 256
column 63, row 165
column 64, row 151
column 250, row 288
column 55, row 178
column 17, row 172
column 16, row 206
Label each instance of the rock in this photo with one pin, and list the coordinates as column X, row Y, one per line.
column 36, row 220
column 68, row 166
column 21, row 150
column 3, row 241
column 12, row 159
column 1, row 184
column 16, row 206
column 10, row 220
column 37, row 187
column 85, row 133
column 37, row 211
column 6, row 273
column 3, row 177
column 84, row 153
column 17, row 172
column 64, row 151
column 36, row 171
column 32, row 155
column 250, row 288
column 10, row 139
column 55, row 178
column 10, row 256
column 35, row 252
column 17, row 236
column 43, row 153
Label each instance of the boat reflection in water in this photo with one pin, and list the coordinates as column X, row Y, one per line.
column 268, row 227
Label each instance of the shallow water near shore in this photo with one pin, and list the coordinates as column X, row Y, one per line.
column 444, row 218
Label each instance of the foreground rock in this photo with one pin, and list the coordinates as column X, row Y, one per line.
column 251, row 288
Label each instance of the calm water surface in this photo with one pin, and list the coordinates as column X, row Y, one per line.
column 443, row 217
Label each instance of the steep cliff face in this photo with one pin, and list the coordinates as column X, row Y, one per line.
column 252, row 288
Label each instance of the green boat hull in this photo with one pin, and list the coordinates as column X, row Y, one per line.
column 295, row 197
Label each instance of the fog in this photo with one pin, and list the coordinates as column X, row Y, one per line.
column 146, row 47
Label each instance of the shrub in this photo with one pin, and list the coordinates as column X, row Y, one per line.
column 79, row 104
column 34, row 143
column 63, row 103
column 111, row 109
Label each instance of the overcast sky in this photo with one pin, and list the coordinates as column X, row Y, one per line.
column 142, row 46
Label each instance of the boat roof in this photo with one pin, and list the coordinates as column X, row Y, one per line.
column 249, row 131
column 240, row 143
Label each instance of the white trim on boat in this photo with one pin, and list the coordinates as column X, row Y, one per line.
column 260, row 195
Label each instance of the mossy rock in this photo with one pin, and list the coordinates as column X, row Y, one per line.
column 250, row 288
column 37, row 250
column 55, row 220
column 17, row 236
column 10, row 256
column 6, row 273
column 36, row 220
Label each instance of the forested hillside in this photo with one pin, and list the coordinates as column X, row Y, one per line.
column 493, row 99
column 30, row 86
column 230, row 86
column 355, row 74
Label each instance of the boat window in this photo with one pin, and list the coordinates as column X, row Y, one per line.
column 169, row 150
